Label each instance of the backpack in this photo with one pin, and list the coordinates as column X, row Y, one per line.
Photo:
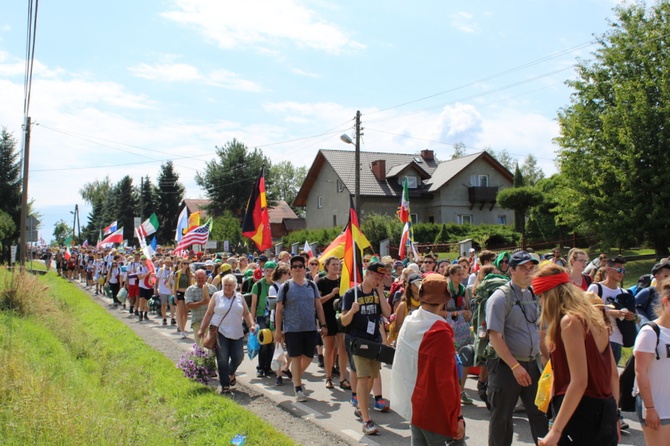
column 643, row 282
column 492, row 282
column 627, row 377
column 623, row 300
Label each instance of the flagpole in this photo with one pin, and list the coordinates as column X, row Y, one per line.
column 354, row 254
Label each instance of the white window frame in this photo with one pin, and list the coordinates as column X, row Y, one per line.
column 319, row 202
column 412, row 182
column 463, row 217
column 482, row 177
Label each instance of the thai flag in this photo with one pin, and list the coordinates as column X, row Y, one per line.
column 111, row 228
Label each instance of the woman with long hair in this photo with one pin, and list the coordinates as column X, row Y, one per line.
column 577, row 261
column 586, row 381
column 409, row 302
column 183, row 279
column 458, row 314
column 652, row 368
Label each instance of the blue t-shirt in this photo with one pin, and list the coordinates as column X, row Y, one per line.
column 299, row 310
column 368, row 315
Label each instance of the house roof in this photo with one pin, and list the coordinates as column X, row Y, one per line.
column 447, row 170
column 343, row 162
column 277, row 213
column 197, row 204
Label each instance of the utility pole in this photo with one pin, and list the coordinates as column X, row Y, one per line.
column 24, row 194
column 357, row 190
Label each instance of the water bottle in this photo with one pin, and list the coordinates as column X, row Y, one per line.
column 481, row 331
column 238, row 440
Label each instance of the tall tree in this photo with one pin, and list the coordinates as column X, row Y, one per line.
column 286, row 181
column 532, row 173
column 95, row 190
column 227, row 227
column 459, row 151
column 61, row 232
column 615, row 136
column 147, row 194
column 126, row 201
column 503, row 158
column 228, row 179
column 10, row 189
column 170, row 195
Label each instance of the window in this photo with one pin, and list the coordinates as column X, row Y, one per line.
column 431, row 219
column 334, row 220
column 414, row 218
column 340, row 186
column 411, row 182
column 502, row 219
column 319, row 202
column 483, row 181
column 465, row 219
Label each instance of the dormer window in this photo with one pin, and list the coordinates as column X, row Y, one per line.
column 411, row 182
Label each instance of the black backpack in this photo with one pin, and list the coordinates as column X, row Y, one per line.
column 627, row 378
column 623, row 300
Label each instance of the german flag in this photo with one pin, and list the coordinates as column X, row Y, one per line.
column 354, row 243
column 256, row 223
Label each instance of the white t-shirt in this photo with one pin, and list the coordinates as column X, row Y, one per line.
column 616, row 335
column 659, row 370
column 164, row 283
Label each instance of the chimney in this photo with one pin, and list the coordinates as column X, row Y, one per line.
column 379, row 169
column 428, row 155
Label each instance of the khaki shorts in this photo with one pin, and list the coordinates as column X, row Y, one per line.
column 366, row 368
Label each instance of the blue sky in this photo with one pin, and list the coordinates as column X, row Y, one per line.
column 121, row 87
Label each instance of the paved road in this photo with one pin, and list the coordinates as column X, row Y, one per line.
column 331, row 410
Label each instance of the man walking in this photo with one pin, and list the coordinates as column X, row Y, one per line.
column 362, row 309
column 512, row 319
column 196, row 299
column 298, row 307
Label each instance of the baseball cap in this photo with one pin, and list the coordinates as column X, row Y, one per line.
column 521, row 257
column 377, row 267
column 270, row 265
column 414, row 278
column 659, row 266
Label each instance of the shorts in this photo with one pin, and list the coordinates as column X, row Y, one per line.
column 179, row 295
column 347, row 347
column 133, row 291
column 366, row 368
column 638, row 410
column 164, row 299
column 300, row 343
column 146, row 293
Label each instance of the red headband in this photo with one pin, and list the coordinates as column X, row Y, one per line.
column 545, row 283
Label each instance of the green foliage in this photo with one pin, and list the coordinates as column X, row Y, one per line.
column 10, row 188
column 61, row 232
column 459, row 151
column 286, row 182
column 531, row 172
column 229, row 178
column 503, row 158
column 378, row 227
column 227, row 227
column 520, row 199
column 170, row 195
column 7, row 229
column 518, row 177
column 614, row 135
column 443, row 235
column 543, row 220
column 126, row 205
column 147, row 199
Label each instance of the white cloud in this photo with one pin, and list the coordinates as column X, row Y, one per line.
column 464, row 21
column 180, row 72
column 304, row 73
column 261, row 23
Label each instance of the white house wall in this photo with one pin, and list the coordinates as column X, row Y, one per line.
column 334, row 202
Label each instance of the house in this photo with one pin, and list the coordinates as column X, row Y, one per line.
column 461, row 190
column 282, row 218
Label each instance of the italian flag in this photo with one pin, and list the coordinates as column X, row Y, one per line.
column 403, row 209
column 424, row 385
column 407, row 238
column 149, row 226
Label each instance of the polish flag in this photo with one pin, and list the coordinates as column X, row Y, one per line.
column 308, row 250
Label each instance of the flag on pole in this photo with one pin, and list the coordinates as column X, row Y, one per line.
column 308, row 250
column 85, row 244
column 182, row 224
column 114, row 237
column 403, row 209
column 197, row 236
column 67, row 254
column 146, row 249
column 354, row 243
column 336, row 247
column 194, row 220
column 475, row 266
column 256, row 223
column 69, row 241
column 407, row 238
column 149, row 226
column 111, row 228
column 154, row 244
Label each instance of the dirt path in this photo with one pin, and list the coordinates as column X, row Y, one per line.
column 166, row 341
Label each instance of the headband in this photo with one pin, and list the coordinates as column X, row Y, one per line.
column 545, row 283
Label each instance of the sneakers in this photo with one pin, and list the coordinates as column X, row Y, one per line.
column 300, row 396
column 183, row 335
column 279, row 381
column 288, row 374
column 354, row 400
column 141, row 317
column 465, row 399
column 381, row 405
column 369, row 428
column 260, row 373
column 358, row 413
column 173, row 322
column 164, row 321
column 624, row 426
column 270, row 373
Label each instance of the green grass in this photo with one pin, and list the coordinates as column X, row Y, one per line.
column 71, row 374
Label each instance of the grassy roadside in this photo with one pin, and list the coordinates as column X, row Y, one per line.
column 71, row 374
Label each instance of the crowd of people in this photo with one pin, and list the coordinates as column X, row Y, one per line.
column 532, row 309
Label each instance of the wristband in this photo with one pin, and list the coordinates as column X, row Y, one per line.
column 515, row 366
column 650, row 407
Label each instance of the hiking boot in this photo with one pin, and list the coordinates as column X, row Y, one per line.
column 300, row 396
column 381, row 405
column 369, row 428
column 465, row 399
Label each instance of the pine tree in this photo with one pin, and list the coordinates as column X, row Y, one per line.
column 10, row 189
column 170, row 194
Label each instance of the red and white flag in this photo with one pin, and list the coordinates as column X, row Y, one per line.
column 308, row 250
column 67, row 254
column 114, row 237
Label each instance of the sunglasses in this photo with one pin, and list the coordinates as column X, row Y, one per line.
column 504, row 261
column 297, row 266
column 429, row 262
column 618, row 270
column 313, row 264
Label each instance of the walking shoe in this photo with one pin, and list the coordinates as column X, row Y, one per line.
column 300, row 396
column 369, row 428
column 358, row 413
column 131, row 309
column 481, row 391
column 260, row 373
column 173, row 322
column 164, row 321
column 381, row 405
column 354, row 400
column 624, row 426
column 270, row 373
column 465, row 399
column 141, row 317
column 136, row 312
column 320, row 360
column 279, row 381
column 183, row 335
column 288, row 374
